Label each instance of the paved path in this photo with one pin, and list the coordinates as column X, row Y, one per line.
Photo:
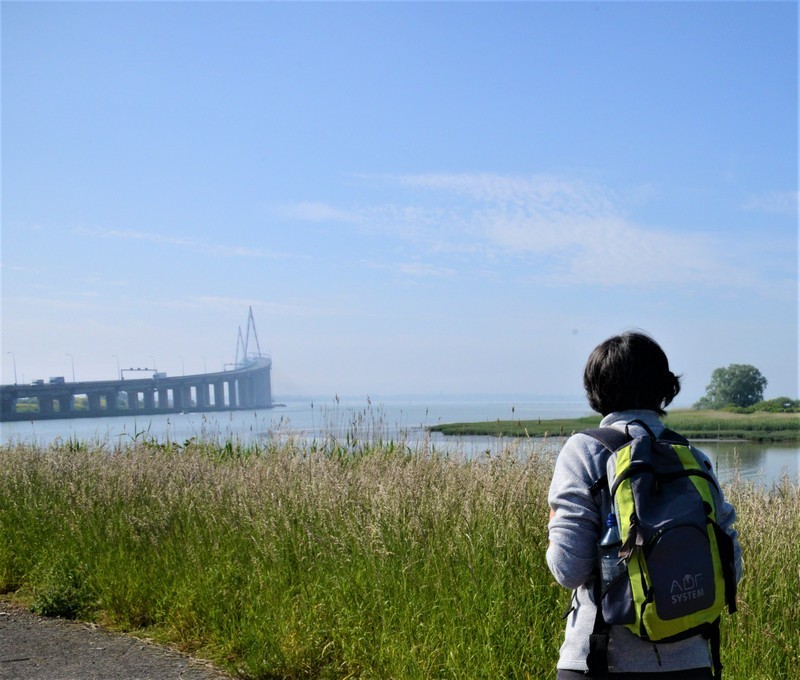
column 37, row 648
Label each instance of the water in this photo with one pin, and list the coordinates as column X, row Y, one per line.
column 393, row 418
column 385, row 419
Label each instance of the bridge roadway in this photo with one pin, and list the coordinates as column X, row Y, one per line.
column 247, row 387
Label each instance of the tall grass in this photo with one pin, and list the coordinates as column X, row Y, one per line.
column 336, row 560
column 705, row 424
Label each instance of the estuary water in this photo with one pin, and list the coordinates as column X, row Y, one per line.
column 387, row 419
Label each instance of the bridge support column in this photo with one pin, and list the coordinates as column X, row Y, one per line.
column 201, row 391
column 45, row 404
column 250, row 392
column 219, row 394
column 8, row 404
column 94, row 402
column 112, row 401
column 263, row 390
column 133, row 400
column 182, row 397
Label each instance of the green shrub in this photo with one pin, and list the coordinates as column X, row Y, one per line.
column 60, row 587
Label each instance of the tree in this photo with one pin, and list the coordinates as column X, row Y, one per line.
column 738, row 384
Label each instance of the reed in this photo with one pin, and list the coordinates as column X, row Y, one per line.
column 336, row 559
column 705, row 424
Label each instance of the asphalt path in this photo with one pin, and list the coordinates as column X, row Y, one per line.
column 39, row 648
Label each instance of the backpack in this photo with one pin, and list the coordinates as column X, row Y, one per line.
column 679, row 570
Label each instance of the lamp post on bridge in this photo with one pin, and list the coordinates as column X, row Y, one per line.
column 119, row 372
column 72, row 359
column 14, row 361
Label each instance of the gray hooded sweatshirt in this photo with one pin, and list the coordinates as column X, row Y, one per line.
column 572, row 557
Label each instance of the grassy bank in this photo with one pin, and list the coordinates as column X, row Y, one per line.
column 707, row 424
column 290, row 563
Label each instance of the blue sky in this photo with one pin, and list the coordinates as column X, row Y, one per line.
column 415, row 198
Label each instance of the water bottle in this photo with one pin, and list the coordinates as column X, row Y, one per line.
column 611, row 564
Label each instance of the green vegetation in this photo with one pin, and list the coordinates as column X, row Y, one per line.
column 361, row 560
column 777, row 405
column 757, row 426
column 519, row 428
column 738, row 384
column 782, row 426
column 27, row 405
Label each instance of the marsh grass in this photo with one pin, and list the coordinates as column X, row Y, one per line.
column 337, row 559
column 704, row 424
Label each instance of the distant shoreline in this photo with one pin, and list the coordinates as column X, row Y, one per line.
column 703, row 425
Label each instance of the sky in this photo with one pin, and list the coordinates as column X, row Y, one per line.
column 427, row 198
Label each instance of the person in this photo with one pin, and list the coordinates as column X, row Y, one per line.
column 627, row 378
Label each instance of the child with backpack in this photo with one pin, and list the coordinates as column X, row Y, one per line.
column 640, row 530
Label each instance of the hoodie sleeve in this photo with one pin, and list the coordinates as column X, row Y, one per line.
column 575, row 521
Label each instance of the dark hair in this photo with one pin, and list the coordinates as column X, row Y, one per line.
column 629, row 371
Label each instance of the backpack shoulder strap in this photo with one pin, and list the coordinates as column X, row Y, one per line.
column 610, row 437
column 672, row 437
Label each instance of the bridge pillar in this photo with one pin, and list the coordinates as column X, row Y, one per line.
column 65, row 403
column 245, row 401
column 45, row 404
column 243, row 392
column 201, row 391
column 219, row 394
column 8, row 404
column 182, row 397
column 133, row 400
column 149, row 399
column 112, row 401
column 263, row 394
column 94, row 402
column 163, row 398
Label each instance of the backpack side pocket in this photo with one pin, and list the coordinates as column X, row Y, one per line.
column 617, row 602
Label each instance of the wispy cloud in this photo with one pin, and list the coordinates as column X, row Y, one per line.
column 184, row 242
column 318, row 212
column 567, row 231
column 415, row 269
column 780, row 202
column 287, row 308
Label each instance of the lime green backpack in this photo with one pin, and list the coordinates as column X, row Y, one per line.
column 676, row 570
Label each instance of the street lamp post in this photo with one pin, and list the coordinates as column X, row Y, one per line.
column 119, row 372
column 14, row 360
column 72, row 359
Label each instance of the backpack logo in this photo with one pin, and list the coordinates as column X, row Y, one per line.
column 689, row 588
